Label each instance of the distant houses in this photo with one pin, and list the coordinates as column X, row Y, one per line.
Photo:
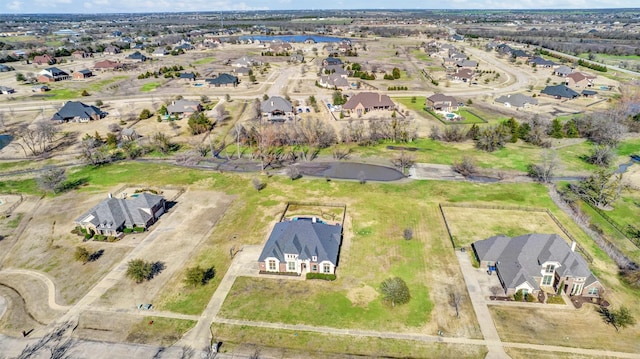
column 108, row 65
column 82, row 74
column 559, row 92
column 52, row 74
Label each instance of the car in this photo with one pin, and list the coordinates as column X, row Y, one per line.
column 308, row 110
column 145, row 306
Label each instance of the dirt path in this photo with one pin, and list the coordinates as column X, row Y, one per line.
column 51, row 287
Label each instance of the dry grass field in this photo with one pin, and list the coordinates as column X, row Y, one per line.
column 468, row 225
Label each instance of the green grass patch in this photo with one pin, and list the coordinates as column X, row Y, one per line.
column 99, row 85
column 629, row 147
column 62, row 94
column 555, row 299
column 421, row 55
column 204, row 60
column 469, row 117
column 28, row 186
column 151, row 86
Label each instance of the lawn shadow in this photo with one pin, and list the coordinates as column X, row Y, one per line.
column 156, row 268
column 208, row 275
column 75, row 184
column 96, row 255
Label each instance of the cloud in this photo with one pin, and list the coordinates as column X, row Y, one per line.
column 15, row 5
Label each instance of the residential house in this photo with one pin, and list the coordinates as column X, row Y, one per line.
column 184, row 46
column 518, row 101
column 297, row 58
column 559, row 91
column 111, row 216
column 82, row 74
column 187, row 76
column 111, row 50
column 52, row 74
column 463, row 74
column 6, row 90
column 578, row 79
column 331, row 61
column 535, row 262
column 75, row 111
column 40, row 88
column 137, row 56
column 223, row 79
column 242, row 71
column 245, row 61
column 108, row 65
column 184, row 107
column 563, row 71
column 589, row 93
column 160, row 52
column 334, row 81
column 467, row 64
column 277, row 109
column 457, row 37
column 441, row 102
column 45, row 59
column 540, row 62
column 79, row 54
column 364, row 102
column 279, row 47
column 5, row 68
column 300, row 246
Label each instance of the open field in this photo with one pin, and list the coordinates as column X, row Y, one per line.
column 288, row 343
column 471, row 224
column 581, row 328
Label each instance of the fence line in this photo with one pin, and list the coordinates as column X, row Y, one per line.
column 316, row 204
column 564, row 230
column 8, row 211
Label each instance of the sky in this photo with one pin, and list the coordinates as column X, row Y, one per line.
column 133, row 6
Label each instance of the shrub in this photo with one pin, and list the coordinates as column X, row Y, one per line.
column 395, row 290
column 138, row 229
column 529, row 298
column 518, row 296
column 99, row 238
column 408, row 233
column 325, row 276
column 82, row 255
column 127, row 230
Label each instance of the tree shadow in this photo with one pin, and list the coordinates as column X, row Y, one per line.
column 96, row 255
column 156, row 268
column 208, row 275
column 74, row 184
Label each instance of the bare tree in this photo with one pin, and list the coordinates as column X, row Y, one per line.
column 544, row 170
column 466, row 167
column 341, row 152
column 601, row 155
column 37, row 138
column 601, row 189
column 51, row 179
column 189, row 158
column 403, row 161
column 293, row 172
column 94, row 152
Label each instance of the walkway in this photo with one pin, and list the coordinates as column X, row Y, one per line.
column 51, row 287
column 245, row 263
column 487, row 326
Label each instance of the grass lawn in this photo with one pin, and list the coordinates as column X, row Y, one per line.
column 469, row 117
column 629, row 147
column 151, row 86
column 582, row 328
column 99, row 85
column 204, row 60
column 417, row 106
column 62, row 94
column 421, row 55
column 468, row 225
column 163, row 331
column 237, row 338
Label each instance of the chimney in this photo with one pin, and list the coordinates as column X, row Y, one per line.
column 573, row 246
column 110, row 195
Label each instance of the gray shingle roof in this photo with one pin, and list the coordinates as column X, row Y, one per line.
column 276, row 103
column 223, row 79
column 517, row 100
column 114, row 213
column 519, row 259
column 73, row 109
column 304, row 238
column 559, row 91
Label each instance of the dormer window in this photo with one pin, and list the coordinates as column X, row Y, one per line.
column 314, row 259
column 550, row 268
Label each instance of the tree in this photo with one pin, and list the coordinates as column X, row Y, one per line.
column 145, row 114
column 20, row 77
column 85, row 93
column 618, row 318
column 37, row 138
column 139, row 270
column 51, row 179
column 395, row 73
column 197, row 276
column 161, row 142
column 544, row 170
column 258, row 184
column 293, row 172
column 395, row 291
column 601, row 189
column 199, row 123
column 601, row 155
column 467, row 167
column 403, row 161
column 455, row 299
column 493, row 138
column 556, row 129
column 408, row 233
column 82, row 255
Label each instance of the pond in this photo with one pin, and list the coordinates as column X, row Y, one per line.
column 5, row 140
column 293, row 38
column 349, row 170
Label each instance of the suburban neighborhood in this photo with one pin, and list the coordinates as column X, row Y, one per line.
column 426, row 183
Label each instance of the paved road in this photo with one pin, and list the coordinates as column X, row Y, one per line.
column 487, row 326
column 3, row 306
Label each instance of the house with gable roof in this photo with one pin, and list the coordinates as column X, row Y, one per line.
column 535, row 262
column 52, row 74
column 300, row 246
column 364, row 102
column 75, row 111
column 277, row 108
column 111, row 216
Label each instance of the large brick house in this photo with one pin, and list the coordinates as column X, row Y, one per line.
column 535, row 262
column 111, row 216
column 364, row 102
column 300, row 246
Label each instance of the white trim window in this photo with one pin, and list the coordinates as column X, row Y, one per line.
column 547, row 280
column 291, row 266
column 593, row 291
column 326, row 268
column 272, row 265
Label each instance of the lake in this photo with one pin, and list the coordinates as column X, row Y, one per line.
column 5, row 140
